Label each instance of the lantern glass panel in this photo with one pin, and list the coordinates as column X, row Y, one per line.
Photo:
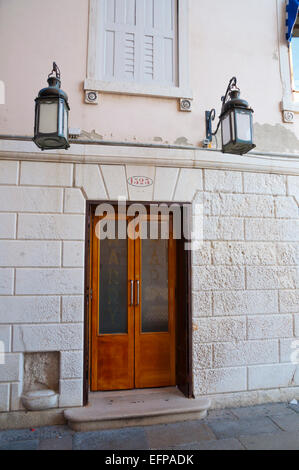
column 232, row 121
column 60, row 120
column 226, row 130
column 65, row 122
column 48, row 117
column 243, row 125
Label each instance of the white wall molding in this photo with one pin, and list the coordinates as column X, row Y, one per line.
column 137, row 89
column 161, row 157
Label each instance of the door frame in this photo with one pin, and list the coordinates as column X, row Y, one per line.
column 184, row 342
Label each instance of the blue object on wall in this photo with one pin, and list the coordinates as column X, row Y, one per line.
column 292, row 14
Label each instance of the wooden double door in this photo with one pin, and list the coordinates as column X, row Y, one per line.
column 133, row 305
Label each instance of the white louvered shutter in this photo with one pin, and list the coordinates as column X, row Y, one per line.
column 140, row 41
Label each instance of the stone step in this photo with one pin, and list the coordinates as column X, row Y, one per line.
column 112, row 410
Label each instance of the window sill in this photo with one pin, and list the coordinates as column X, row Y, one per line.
column 136, row 89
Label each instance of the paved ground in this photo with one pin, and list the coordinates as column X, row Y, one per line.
column 265, row 427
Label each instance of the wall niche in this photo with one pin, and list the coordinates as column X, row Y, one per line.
column 41, row 371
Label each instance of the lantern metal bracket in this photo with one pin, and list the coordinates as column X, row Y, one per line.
column 55, row 70
column 231, row 86
column 210, row 115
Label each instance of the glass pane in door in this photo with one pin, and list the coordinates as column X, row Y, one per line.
column 113, row 288
column 154, row 290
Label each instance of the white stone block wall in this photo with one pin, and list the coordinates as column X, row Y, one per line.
column 42, row 230
column 245, row 283
column 246, row 289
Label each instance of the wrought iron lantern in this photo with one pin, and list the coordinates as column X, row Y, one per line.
column 235, row 120
column 51, row 115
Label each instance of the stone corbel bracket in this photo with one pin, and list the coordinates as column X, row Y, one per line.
column 288, row 116
column 185, row 104
column 91, row 97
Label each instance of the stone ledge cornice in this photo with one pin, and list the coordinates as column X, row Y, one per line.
column 153, row 156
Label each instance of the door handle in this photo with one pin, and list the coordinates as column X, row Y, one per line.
column 132, row 294
column 138, row 292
